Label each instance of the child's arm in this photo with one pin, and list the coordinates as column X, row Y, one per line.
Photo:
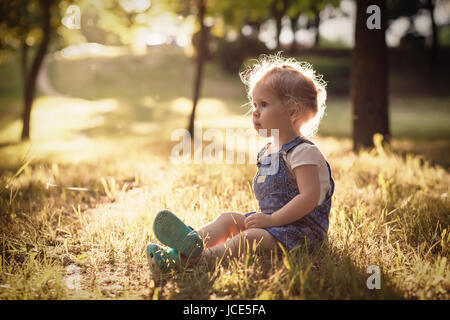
column 308, row 183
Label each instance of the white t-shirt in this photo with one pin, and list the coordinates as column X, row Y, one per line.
column 306, row 153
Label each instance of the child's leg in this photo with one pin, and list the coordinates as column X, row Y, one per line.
column 238, row 244
column 225, row 226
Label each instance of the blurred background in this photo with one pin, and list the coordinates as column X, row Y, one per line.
column 91, row 93
column 74, row 71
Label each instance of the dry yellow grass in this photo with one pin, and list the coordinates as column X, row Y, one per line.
column 387, row 210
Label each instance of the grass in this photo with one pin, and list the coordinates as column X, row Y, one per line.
column 390, row 209
column 402, row 204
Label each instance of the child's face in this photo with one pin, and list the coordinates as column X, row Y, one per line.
column 269, row 112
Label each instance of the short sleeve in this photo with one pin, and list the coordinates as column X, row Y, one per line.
column 304, row 153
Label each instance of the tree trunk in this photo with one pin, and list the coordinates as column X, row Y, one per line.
column 200, row 62
column 24, row 62
column 434, row 36
column 24, row 48
column 278, row 13
column 293, row 48
column 369, row 83
column 277, row 16
column 30, row 83
column 317, row 23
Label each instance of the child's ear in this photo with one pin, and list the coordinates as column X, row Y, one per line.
column 293, row 111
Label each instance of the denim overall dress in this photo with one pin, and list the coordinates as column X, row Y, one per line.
column 275, row 185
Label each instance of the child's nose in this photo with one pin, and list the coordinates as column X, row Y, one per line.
column 255, row 113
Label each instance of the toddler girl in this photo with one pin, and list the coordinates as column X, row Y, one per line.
column 293, row 184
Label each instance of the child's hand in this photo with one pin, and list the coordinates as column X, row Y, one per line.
column 258, row 220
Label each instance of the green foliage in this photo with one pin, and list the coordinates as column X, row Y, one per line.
column 21, row 22
column 237, row 13
column 111, row 22
column 310, row 8
column 413, row 41
column 402, row 8
column 444, row 36
column 232, row 54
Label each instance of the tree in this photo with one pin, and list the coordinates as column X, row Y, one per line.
column 237, row 13
column 201, row 7
column 430, row 5
column 369, row 80
column 310, row 9
column 313, row 10
column 278, row 9
column 294, row 14
column 20, row 18
column 29, row 23
column 410, row 9
column 116, row 20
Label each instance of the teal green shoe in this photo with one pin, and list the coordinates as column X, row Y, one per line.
column 161, row 259
column 172, row 232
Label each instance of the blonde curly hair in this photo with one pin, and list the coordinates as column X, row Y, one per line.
column 296, row 84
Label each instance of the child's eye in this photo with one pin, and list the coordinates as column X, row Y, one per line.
column 263, row 104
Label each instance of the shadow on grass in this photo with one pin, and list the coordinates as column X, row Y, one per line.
column 435, row 152
column 323, row 274
column 9, row 144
